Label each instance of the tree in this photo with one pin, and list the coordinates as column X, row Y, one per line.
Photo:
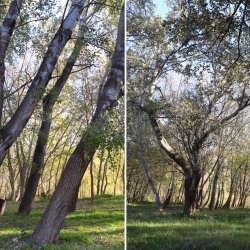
column 68, row 185
column 11, row 130
column 48, row 103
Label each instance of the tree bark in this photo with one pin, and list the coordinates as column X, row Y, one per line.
column 6, row 32
column 48, row 228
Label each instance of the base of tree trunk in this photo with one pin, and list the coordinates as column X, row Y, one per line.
column 2, row 206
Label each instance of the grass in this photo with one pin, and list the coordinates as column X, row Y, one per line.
column 148, row 228
column 97, row 226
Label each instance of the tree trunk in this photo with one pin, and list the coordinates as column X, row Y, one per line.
column 170, row 192
column 92, row 191
column 98, row 189
column 47, row 230
column 104, row 176
column 214, row 187
column 6, row 31
column 43, row 135
column 140, row 121
column 13, row 128
column 191, row 192
column 229, row 199
column 2, row 206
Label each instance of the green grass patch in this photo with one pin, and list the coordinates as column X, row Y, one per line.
column 148, row 228
column 95, row 226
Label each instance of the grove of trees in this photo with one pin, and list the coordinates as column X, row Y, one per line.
column 188, row 103
column 61, row 76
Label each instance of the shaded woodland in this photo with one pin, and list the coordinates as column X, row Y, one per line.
column 188, row 104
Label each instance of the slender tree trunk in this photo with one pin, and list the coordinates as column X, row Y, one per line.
column 92, row 191
column 43, row 135
column 170, row 191
column 229, row 199
column 98, row 190
column 140, row 121
column 12, row 177
column 48, row 228
column 17, row 122
column 208, row 194
column 217, row 204
column 104, row 175
column 6, row 32
column 214, row 187
column 2, row 206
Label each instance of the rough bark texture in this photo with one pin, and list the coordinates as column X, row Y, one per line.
column 48, row 105
column 191, row 192
column 15, row 125
column 6, row 31
column 47, row 230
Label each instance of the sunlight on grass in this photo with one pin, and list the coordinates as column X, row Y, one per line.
column 93, row 229
column 148, row 228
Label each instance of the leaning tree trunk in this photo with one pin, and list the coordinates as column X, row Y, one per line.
column 6, row 31
column 48, row 229
column 48, row 104
column 10, row 132
column 192, row 173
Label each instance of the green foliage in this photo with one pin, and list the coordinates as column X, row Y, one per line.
column 114, row 6
column 104, row 134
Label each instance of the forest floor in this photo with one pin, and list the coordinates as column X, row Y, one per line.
column 97, row 226
column 148, row 228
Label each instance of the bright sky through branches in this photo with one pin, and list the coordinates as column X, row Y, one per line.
column 161, row 7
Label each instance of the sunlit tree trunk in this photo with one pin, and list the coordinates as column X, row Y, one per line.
column 17, row 122
column 92, row 191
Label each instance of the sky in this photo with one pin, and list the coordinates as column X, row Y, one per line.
column 161, row 7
